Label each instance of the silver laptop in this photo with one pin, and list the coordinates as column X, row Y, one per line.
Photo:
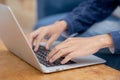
column 17, row 43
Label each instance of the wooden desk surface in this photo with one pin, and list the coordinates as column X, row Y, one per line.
column 13, row 68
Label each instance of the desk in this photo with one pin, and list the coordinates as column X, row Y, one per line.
column 13, row 68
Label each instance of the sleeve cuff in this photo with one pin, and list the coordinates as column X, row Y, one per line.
column 116, row 40
column 69, row 24
column 112, row 50
column 65, row 34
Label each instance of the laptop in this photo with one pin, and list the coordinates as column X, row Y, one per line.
column 16, row 42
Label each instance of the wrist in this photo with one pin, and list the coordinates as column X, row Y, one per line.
column 105, row 40
column 62, row 24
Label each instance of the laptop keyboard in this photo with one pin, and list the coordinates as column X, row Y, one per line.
column 42, row 54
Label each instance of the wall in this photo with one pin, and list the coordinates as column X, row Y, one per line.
column 25, row 12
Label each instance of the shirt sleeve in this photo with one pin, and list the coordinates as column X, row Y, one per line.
column 116, row 40
column 88, row 13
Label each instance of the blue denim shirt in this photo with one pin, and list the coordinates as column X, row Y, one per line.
column 90, row 12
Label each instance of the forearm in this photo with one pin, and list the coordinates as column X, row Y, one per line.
column 88, row 13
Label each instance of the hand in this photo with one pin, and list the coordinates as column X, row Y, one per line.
column 52, row 31
column 74, row 47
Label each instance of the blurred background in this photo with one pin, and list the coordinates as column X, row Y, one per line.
column 25, row 12
column 29, row 12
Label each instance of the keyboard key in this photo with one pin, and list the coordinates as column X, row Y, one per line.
column 42, row 54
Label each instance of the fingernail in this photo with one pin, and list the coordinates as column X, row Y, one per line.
column 50, row 60
column 47, row 47
column 33, row 44
column 35, row 50
column 62, row 62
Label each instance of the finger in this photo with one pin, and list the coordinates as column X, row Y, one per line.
column 51, row 40
column 67, row 58
column 60, row 53
column 56, row 49
column 32, row 36
column 38, row 41
column 34, row 43
column 37, row 44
